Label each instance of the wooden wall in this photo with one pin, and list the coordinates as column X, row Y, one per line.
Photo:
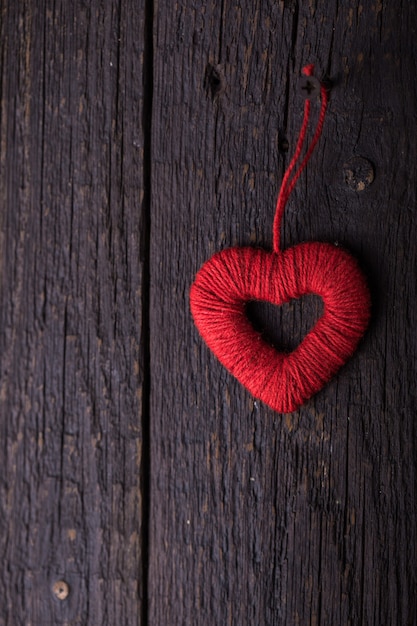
column 141, row 483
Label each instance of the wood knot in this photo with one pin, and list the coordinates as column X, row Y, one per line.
column 358, row 173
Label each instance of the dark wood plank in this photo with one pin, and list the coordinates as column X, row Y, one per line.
column 259, row 518
column 71, row 361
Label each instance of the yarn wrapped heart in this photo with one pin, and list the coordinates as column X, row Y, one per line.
column 232, row 278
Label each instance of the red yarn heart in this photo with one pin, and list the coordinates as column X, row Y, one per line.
column 230, row 279
column 233, row 277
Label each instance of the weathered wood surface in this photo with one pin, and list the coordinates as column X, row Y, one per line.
column 71, row 350
column 114, row 416
column 259, row 518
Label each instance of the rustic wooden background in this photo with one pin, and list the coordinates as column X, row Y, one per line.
column 141, row 484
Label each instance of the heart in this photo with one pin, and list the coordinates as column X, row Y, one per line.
column 233, row 277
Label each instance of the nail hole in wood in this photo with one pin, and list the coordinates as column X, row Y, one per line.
column 61, row 589
column 214, row 80
column 283, row 145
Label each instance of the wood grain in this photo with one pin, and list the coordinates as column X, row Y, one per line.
column 71, row 345
column 136, row 139
column 259, row 518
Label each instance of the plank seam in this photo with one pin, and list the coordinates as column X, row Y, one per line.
column 146, row 233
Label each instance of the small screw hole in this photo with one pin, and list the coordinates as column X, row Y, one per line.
column 61, row 589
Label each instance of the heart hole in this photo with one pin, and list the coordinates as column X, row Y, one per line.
column 285, row 326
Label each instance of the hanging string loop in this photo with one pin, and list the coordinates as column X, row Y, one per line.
column 289, row 183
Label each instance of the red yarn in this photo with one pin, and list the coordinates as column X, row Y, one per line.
column 233, row 277
column 286, row 185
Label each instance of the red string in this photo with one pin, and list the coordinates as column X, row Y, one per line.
column 288, row 185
